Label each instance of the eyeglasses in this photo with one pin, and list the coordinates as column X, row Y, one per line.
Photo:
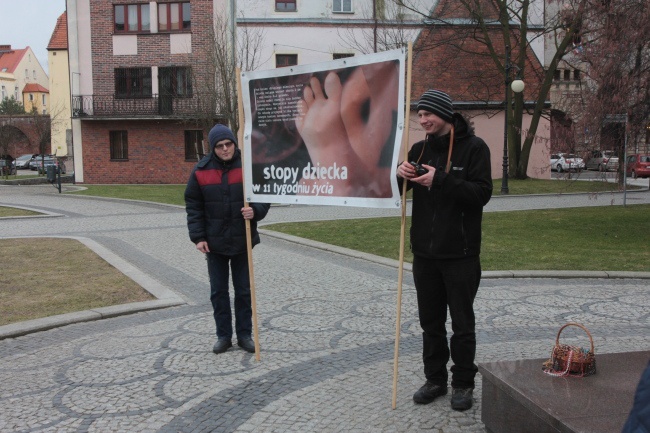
column 222, row 146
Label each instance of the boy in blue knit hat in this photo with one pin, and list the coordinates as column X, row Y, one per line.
column 214, row 201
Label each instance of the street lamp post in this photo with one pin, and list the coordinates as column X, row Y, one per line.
column 517, row 86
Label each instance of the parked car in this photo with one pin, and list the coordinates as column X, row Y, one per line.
column 555, row 157
column 22, row 162
column 566, row 162
column 41, row 164
column 37, row 161
column 638, row 165
column 7, row 167
column 603, row 160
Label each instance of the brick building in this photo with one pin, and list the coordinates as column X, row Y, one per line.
column 135, row 68
column 137, row 71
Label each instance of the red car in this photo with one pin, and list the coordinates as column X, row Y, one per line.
column 638, row 165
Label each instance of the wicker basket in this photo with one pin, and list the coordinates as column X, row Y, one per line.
column 569, row 360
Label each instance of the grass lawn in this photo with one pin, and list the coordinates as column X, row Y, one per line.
column 22, row 176
column 14, row 212
column 168, row 194
column 46, row 276
column 173, row 194
column 594, row 238
column 556, row 186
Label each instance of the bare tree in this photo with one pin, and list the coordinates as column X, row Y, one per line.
column 42, row 126
column 219, row 85
column 8, row 136
column 613, row 53
column 469, row 39
column 388, row 26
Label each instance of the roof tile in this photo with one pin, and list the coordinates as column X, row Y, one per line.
column 59, row 39
column 34, row 87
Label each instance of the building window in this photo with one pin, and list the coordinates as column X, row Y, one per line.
column 576, row 75
column 31, row 97
column 174, row 17
column 193, row 145
column 285, row 5
column 132, row 18
column 34, row 73
column 4, row 92
column 119, row 145
column 567, row 75
column 16, row 93
column 175, row 81
column 341, row 55
column 133, row 82
column 282, row 60
column 43, row 99
column 342, row 6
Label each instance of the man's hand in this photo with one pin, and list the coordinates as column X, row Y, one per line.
column 426, row 179
column 248, row 213
column 203, row 247
column 406, row 171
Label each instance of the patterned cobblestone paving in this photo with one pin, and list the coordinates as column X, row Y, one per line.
column 327, row 328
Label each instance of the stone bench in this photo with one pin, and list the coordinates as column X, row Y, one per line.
column 518, row 397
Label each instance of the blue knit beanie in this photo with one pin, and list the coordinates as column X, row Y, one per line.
column 438, row 103
column 220, row 132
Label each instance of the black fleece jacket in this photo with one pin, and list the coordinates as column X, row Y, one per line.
column 214, row 197
column 446, row 219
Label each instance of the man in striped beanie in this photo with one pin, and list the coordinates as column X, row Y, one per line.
column 449, row 172
column 438, row 103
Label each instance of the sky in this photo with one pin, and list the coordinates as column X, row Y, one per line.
column 29, row 23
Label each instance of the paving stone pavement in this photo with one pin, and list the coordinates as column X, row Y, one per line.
column 327, row 331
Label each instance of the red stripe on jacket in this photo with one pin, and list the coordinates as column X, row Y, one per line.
column 235, row 176
column 214, row 176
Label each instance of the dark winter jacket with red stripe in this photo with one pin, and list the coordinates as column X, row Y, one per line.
column 214, row 198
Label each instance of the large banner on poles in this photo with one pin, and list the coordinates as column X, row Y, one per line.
column 326, row 133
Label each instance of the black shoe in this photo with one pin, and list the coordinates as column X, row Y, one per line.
column 429, row 392
column 247, row 344
column 221, row 345
column 461, row 398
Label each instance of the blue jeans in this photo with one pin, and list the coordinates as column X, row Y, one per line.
column 219, row 294
column 453, row 283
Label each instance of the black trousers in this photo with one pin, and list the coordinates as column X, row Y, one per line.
column 220, row 297
column 441, row 284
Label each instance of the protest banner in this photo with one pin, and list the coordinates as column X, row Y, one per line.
column 326, row 133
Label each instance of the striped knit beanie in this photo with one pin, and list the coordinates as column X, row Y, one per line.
column 438, row 103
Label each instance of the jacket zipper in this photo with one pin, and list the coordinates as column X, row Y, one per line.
column 462, row 231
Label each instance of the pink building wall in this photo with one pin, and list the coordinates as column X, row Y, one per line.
column 490, row 129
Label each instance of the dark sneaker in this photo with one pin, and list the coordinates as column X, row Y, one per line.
column 461, row 398
column 247, row 344
column 221, row 345
column 429, row 392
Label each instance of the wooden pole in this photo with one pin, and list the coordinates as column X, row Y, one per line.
column 400, row 275
column 249, row 246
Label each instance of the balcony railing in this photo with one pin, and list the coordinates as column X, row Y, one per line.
column 156, row 106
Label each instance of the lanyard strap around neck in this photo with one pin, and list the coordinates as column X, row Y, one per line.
column 451, row 147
